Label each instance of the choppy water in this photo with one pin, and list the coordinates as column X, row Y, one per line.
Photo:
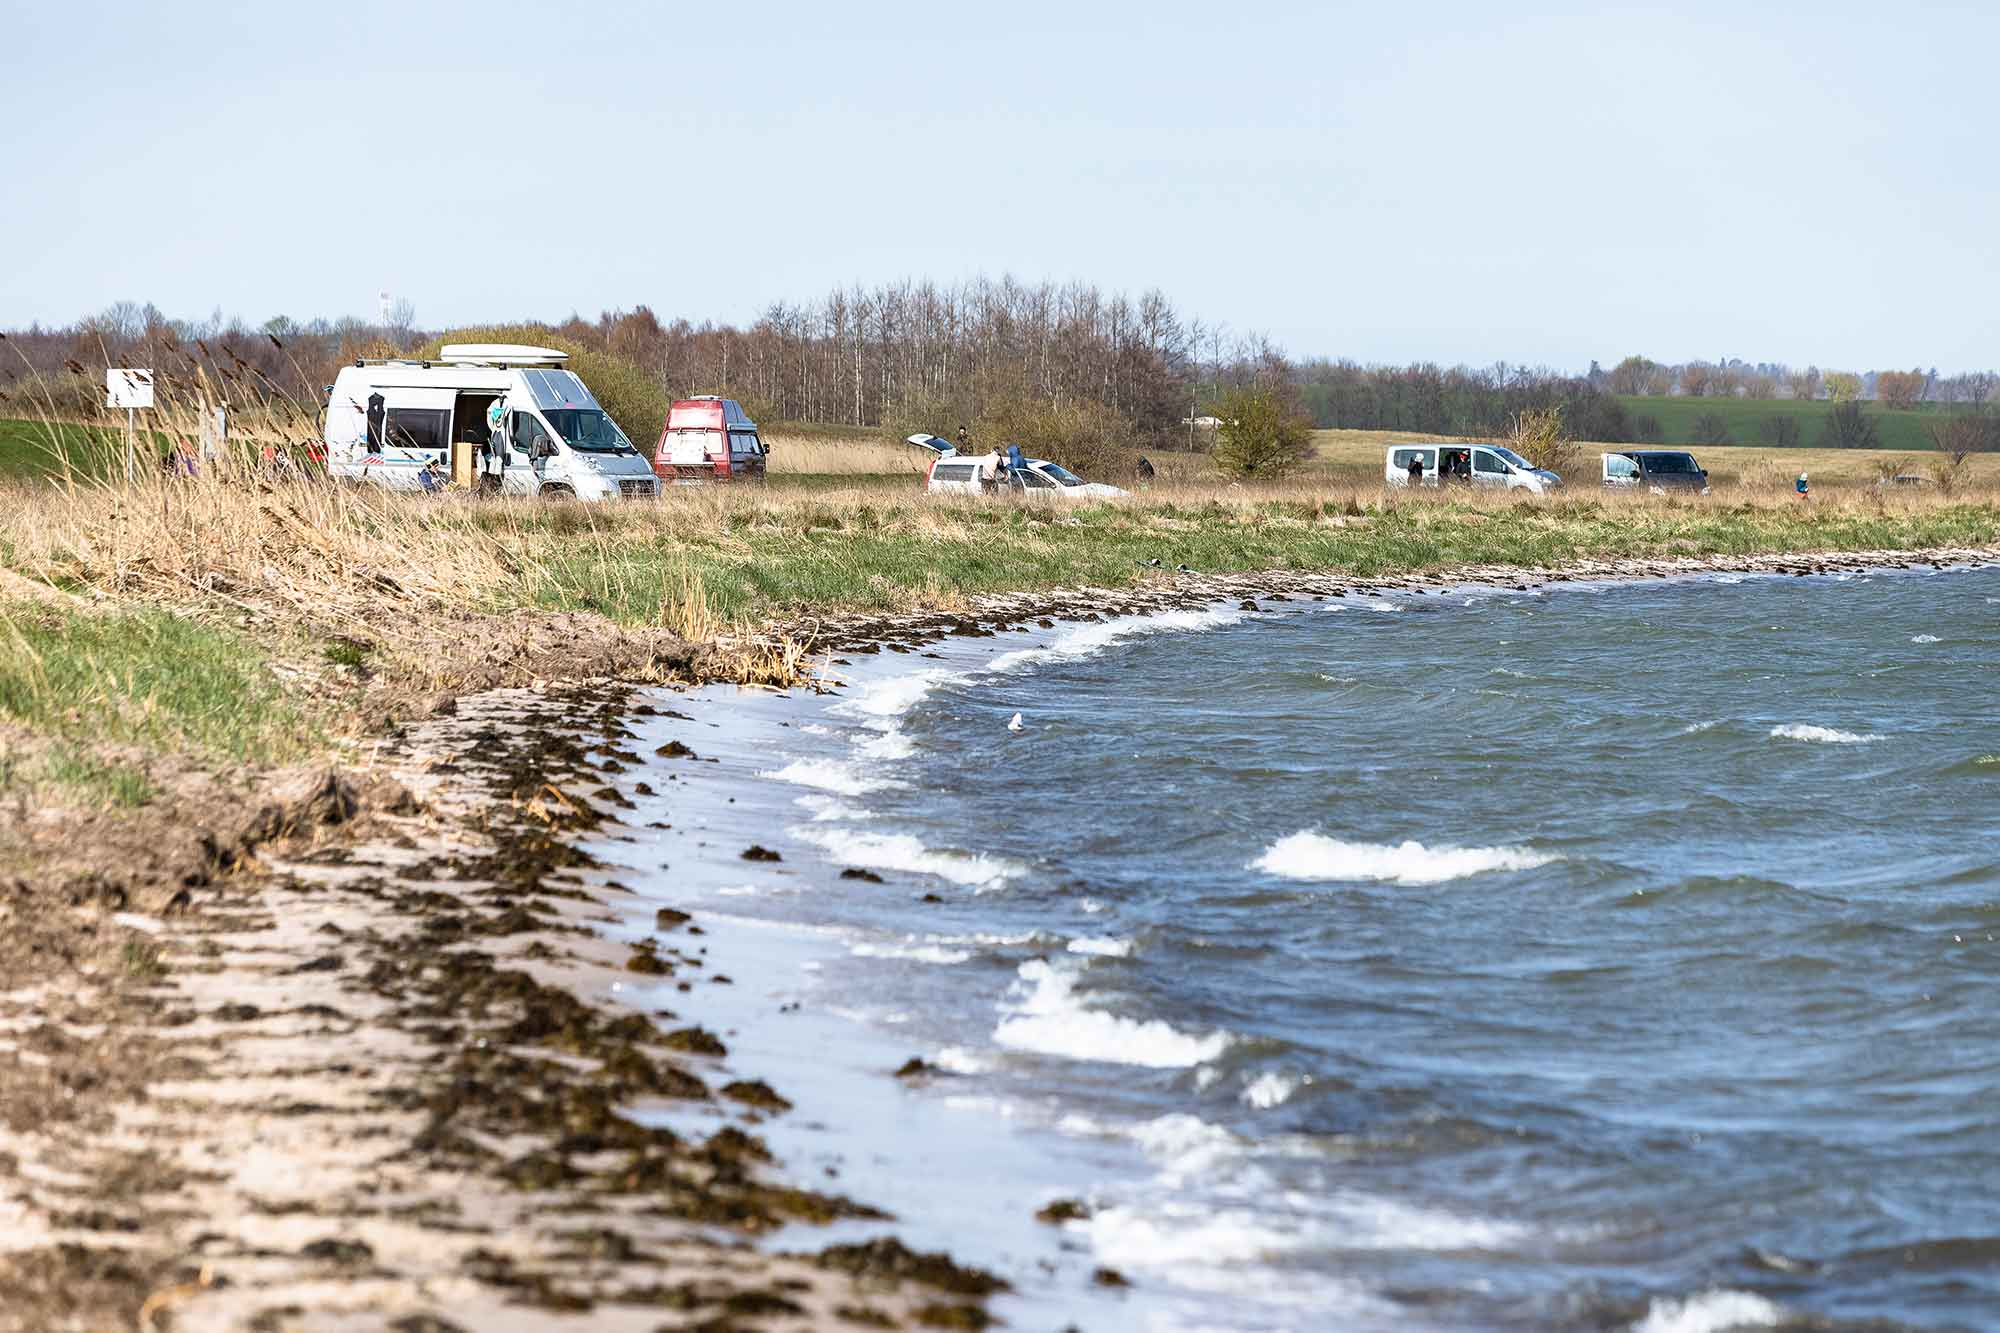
column 1612, row 957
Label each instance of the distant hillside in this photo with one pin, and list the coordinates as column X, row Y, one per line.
column 1745, row 419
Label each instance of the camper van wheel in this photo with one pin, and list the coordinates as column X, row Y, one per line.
column 558, row 493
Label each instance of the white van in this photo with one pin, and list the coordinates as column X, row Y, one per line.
column 505, row 418
column 1493, row 465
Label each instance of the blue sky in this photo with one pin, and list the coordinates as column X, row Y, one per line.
column 1441, row 181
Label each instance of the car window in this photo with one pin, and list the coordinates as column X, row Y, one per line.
column 1482, row 461
column 1035, row 481
column 1616, row 466
column 1681, row 463
column 952, row 472
column 744, row 442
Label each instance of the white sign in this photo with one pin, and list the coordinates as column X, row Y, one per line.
column 128, row 388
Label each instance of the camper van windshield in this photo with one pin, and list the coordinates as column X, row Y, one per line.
column 589, row 429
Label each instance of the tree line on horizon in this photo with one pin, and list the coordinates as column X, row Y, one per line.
column 1064, row 365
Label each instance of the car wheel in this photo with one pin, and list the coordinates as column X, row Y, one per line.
column 558, row 493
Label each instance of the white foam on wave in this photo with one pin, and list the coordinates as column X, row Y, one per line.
column 827, row 775
column 824, row 808
column 913, row 951
column 1046, row 1015
column 1381, row 606
column 894, row 696
column 1696, row 728
column 1924, row 638
column 815, row 729
column 1795, row 731
column 1314, row 856
column 988, row 939
column 1095, row 638
column 899, row 851
column 1101, row 946
column 890, row 744
column 1271, row 1089
column 1366, row 1222
column 1710, row 1312
column 958, row 1060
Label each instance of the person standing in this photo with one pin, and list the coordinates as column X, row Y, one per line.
column 1416, row 468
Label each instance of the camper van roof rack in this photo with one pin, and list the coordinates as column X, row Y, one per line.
column 499, row 354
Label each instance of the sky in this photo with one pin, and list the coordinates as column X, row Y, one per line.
column 1427, row 180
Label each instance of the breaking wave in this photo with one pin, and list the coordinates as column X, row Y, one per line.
column 1270, row 1089
column 827, row 775
column 1709, row 1312
column 899, row 851
column 912, row 950
column 1794, row 731
column 1313, row 856
column 1095, row 638
column 1046, row 1015
column 1102, row 946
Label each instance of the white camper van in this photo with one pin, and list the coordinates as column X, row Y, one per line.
column 501, row 417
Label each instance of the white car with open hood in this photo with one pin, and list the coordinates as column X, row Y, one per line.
column 1008, row 471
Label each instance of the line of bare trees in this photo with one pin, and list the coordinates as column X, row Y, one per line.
column 1729, row 378
column 1456, row 400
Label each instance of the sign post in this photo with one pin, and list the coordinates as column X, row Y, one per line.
column 131, row 390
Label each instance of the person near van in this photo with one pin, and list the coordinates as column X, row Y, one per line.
column 1416, row 469
column 1144, row 471
column 1802, row 486
column 964, row 439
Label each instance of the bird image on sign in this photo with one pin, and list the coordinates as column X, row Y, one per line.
column 128, row 388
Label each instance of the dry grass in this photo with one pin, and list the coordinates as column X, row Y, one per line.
column 816, row 456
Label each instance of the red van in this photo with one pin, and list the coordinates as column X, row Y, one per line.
column 709, row 439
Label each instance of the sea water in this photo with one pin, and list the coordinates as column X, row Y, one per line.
column 1612, row 955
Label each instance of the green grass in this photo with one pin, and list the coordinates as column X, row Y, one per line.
column 1746, row 417
column 144, row 677
column 98, row 781
column 33, row 450
column 884, row 555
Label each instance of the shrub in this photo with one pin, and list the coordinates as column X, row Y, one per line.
column 1082, row 434
column 1848, row 427
column 1780, row 431
column 1540, row 436
column 1261, row 435
column 1710, row 428
column 1648, row 430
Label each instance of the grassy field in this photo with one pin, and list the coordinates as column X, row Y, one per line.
column 1746, row 417
column 208, row 617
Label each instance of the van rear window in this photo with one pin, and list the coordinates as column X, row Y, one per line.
column 954, row 471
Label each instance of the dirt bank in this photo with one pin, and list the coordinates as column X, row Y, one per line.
column 350, row 1073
